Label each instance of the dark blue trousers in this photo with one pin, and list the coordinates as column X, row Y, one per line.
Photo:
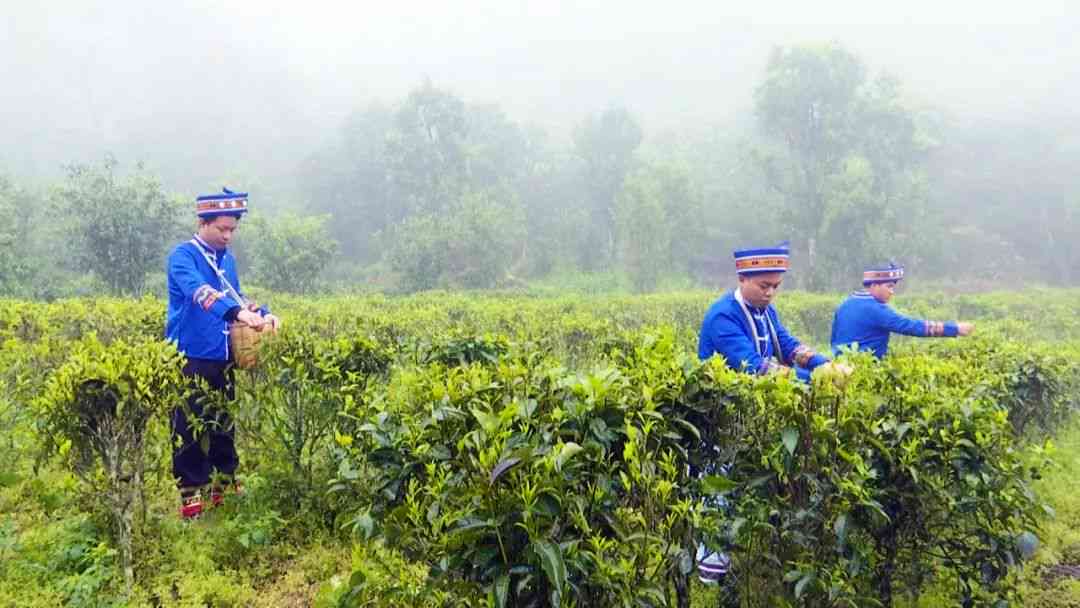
column 192, row 464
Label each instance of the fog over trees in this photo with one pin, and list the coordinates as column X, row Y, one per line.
column 499, row 144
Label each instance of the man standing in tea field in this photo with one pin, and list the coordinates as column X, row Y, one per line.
column 204, row 299
column 743, row 325
column 744, row 328
column 865, row 320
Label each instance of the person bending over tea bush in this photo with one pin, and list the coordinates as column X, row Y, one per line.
column 865, row 320
column 744, row 328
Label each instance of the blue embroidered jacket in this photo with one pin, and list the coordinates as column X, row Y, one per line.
column 727, row 331
column 863, row 321
column 199, row 308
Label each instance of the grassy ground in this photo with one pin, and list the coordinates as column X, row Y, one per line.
column 1048, row 581
column 242, row 554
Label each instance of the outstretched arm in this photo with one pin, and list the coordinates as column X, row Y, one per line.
column 895, row 322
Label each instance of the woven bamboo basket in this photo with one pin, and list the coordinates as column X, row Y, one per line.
column 244, row 342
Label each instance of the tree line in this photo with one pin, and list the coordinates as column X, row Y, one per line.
column 434, row 191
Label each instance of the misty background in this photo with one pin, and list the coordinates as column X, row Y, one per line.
column 417, row 145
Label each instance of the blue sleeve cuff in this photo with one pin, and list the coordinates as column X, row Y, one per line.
column 222, row 306
column 952, row 329
column 815, row 361
column 230, row 316
column 802, row 374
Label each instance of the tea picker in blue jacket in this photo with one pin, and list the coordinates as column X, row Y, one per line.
column 204, row 298
column 865, row 320
column 744, row 328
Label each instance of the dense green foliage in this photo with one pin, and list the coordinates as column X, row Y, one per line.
column 115, row 226
column 851, row 162
column 95, row 412
column 289, row 253
column 528, row 450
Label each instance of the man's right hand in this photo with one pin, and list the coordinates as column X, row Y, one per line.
column 252, row 319
column 834, row 372
column 964, row 328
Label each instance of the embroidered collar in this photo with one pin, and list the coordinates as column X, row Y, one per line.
column 761, row 342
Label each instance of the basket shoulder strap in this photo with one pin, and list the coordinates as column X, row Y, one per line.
column 219, row 272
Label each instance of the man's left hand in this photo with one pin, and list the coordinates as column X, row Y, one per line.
column 274, row 322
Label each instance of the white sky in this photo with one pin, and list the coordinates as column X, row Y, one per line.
column 122, row 72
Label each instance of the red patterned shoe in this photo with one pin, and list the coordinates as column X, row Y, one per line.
column 219, row 490
column 191, row 505
column 217, row 495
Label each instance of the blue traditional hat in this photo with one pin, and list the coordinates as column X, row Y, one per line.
column 882, row 273
column 761, row 260
column 226, row 203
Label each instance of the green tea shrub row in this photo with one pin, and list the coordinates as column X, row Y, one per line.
column 528, row 451
column 529, row 484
